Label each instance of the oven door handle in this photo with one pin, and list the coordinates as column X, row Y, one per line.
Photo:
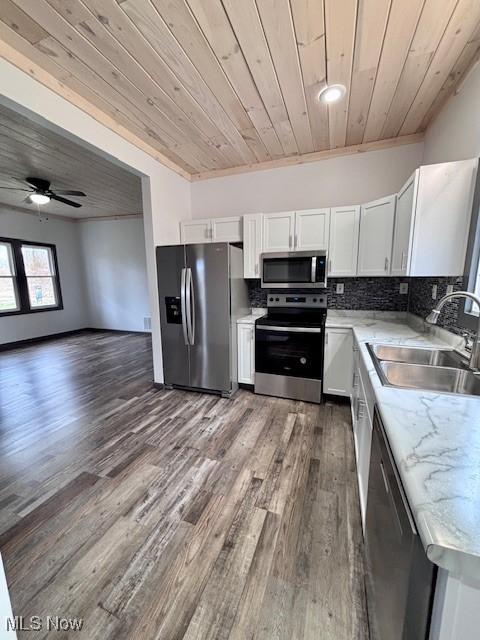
column 290, row 329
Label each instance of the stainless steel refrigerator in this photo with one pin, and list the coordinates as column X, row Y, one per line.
column 202, row 293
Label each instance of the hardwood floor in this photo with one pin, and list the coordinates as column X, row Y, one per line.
column 168, row 514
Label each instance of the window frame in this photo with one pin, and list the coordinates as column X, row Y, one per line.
column 21, row 281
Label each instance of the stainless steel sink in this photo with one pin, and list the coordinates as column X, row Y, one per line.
column 431, row 378
column 418, row 355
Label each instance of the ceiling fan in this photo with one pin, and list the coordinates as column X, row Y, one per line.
column 40, row 192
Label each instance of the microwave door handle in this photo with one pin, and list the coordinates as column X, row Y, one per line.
column 183, row 304
column 314, row 268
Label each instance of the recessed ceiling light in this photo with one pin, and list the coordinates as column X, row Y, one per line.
column 332, row 93
column 39, row 198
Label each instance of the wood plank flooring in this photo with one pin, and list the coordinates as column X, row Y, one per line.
column 166, row 515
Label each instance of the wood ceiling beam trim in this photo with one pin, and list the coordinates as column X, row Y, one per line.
column 312, row 157
column 20, row 61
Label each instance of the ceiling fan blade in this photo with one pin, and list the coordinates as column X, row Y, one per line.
column 64, row 200
column 39, row 183
column 16, row 189
column 70, row 192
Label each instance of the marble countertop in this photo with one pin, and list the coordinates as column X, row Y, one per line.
column 250, row 319
column 435, row 440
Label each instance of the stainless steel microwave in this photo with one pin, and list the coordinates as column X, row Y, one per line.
column 294, row 270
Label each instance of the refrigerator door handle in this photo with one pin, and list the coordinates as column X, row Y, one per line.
column 183, row 305
column 190, row 304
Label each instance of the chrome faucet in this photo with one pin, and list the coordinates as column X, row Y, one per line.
column 433, row 317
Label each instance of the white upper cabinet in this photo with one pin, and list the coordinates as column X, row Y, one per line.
column 278, row 230
column 227, row 229
column 194, row 231
column 403, row 227
column 376, row 233
column 312, row 229
column 212, row 230
column 440, row 219
column 343, row 245
column 252, row 244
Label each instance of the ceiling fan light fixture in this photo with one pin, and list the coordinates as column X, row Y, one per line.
column 39, row 198
column 332, row 93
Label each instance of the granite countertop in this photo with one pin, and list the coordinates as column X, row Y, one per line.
column 435, row 440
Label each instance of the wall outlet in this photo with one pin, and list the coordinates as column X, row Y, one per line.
column 340, row 287
column 434, row 292
column 449, row 288
column 147, row 324
column 403, row 288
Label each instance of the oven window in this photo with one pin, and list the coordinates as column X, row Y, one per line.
column 289, row 353
column 277, row 270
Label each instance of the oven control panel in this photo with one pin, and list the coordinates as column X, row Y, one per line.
column 299, row 301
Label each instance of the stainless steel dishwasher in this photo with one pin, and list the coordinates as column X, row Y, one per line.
column 400, row 579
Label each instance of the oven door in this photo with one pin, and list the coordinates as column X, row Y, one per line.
column 289, row 351
column 300, row 270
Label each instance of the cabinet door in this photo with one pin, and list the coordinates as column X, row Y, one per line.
column 227, row 229
column 376, row 232
column 311, row 229
column 402, row 232
column 252, row 244
column 195, row 231
column 338, row 362
column 278, row 230
column 343, row 245
column 246, row 353
column 364, row 430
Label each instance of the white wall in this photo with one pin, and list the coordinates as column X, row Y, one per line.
column 338, row 181
column 64, row 235
column 455, row 133
column 115, row 271
column 166, row 196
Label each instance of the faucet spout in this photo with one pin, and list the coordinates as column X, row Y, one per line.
column 433, row 316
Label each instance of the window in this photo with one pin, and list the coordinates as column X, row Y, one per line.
column 29, row 279
column 8, row 284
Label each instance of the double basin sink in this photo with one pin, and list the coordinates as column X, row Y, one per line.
column 441, row 370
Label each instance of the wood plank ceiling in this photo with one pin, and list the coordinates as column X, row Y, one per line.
column 28, row 149
column 219, row 84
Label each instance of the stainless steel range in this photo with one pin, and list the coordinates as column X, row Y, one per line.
column 289, row 346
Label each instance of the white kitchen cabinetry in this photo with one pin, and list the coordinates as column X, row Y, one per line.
column 362, row 428
column 252, row 244
column 227, row 229
column 338, row 362
column 195, row 231
column 246, row 352
column 376, row 234
column 403, row 227
column 312, row 229
column 212, row 230
column 343, row 244
column 433, row 219
column 278, row 231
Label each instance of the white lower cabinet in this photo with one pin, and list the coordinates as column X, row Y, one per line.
column 362, row 430
column 338, row 362
column 246, row 352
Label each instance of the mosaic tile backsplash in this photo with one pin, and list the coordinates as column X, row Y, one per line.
column 380, row 294
column 383, row 294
